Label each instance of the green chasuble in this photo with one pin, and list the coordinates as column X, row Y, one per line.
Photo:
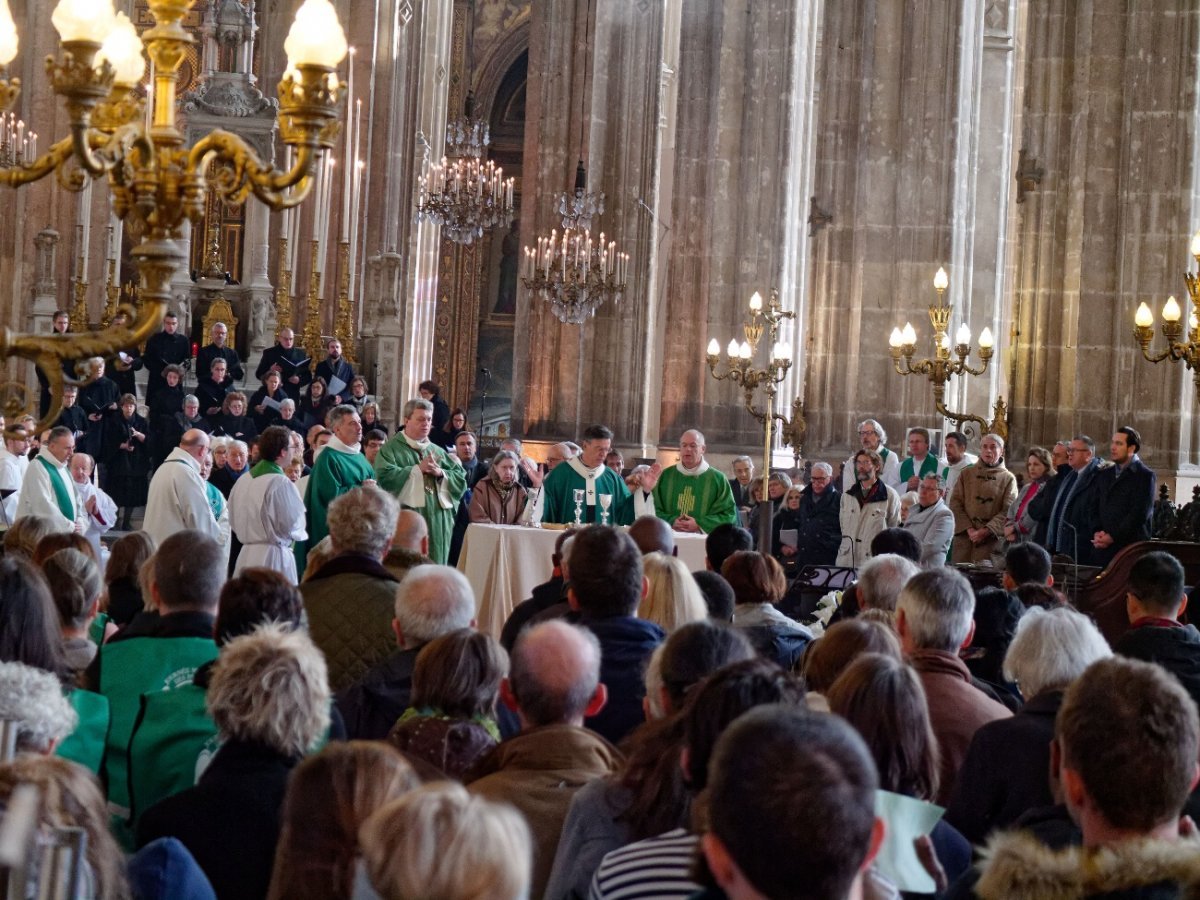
column 706, row 497
column 435, row 499
column 928, row 467
column 559, row 502
column 334, row 473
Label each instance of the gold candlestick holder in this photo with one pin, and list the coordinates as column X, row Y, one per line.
column 112, row 295
column 344, row 327
column 79, row 311
column 283, row 290
column 311, row 338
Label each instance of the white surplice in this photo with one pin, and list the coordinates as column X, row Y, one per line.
column 38, row 499
column 99, row 521
column 12, row 473
column 178, row 500
column 267, row 515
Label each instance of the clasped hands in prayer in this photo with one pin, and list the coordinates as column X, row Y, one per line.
column 649, row 480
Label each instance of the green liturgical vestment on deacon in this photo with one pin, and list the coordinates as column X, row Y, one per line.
column 436, row 499
column 560, row 486
column 928, row 467
column 706, row 497
column 334, row 473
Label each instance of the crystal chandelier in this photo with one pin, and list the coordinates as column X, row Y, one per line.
column 465, row 197
column 577, row 209
column 574, row 274
column 18, row 146
column 467, row 136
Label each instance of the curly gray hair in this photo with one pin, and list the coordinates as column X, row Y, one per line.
column 363, row 521
column 34, row 700
column 271, row 687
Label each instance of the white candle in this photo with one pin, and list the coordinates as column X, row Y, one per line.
column 348, row 155
column 85, row 221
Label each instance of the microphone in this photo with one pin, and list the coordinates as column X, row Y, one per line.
column 1075, row 559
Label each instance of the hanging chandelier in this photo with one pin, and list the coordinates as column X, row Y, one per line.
column 575, row 275
column 466, row 135
column 466, row 197
column 579, row 207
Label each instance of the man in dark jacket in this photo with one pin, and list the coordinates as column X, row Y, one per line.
column 164, row 349
column 1156, row 599
column 1125, row 498
column 336, row 371
column 1071, row 508
column 290, row 361
column 605, row 586
column 819, row 529
column 431, row 601
column 219, row 333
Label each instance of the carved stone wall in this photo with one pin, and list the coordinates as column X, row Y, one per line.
column 1110, row 116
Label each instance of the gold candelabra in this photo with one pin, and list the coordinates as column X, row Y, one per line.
column 283, row 290
column 112, row 295
column 79, row 310
column 941, row 368
column 344, row 325
column 157, row 183
column 310, row 339
column 740, row 370
column 1172, row 326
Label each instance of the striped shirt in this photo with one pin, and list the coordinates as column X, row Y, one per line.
column 658, row 867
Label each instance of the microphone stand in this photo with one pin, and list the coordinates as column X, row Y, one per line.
column 487, row 378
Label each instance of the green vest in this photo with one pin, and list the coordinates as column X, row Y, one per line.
column 85, row 745
column 173, row 740
column 129, row 669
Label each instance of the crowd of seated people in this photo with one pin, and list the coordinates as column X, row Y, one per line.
column 336, row 724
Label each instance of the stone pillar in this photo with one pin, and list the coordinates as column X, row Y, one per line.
column 1109, row 135
column 45, row 286
column 891, row 163
column 733, row 163
column 611, row 98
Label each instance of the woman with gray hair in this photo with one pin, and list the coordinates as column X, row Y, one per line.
column 1006, row 770
column 499, row 499
column 269, row 698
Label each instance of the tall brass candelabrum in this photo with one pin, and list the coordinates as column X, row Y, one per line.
column 740, row 371
column 157, row 183
column 941, row 367
column 283, row 290
column 310, row 338
column 1172, row 326
column 343, row 328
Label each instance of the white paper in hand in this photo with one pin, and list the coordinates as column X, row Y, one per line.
column 906, row 819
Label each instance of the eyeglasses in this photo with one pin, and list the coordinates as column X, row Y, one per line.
column 866, row 433
column 1077, row 449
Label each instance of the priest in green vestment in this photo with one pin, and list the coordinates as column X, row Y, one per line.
column 919, row 463
column 587, row 474
column 340, row 467
column 423, row 476
column 692, row 496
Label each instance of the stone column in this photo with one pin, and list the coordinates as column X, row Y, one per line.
column 733, row 166
column 1109, row 134
column 890, row 166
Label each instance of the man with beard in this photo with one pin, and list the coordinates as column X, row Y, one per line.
column 336, row 371
column 867, row 508
column 873, row 438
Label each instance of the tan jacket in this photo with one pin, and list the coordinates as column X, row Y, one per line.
column 539, row 772
column 981, row 498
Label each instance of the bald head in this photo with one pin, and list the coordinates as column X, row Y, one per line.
column 554, row 677
column 653, row 535
column 194, row 443
column 560, row 453
column 691, row 449
column 411, row 531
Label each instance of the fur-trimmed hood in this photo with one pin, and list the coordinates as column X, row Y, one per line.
column 1016, row 864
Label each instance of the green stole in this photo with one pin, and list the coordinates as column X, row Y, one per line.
column 61, row 497
column 265, row 467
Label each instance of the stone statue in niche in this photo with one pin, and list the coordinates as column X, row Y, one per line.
column 506, row 290
column 260, row 321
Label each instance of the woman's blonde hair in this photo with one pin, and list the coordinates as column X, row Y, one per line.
column 70, row 797
column 271, row 687
column 329, row 796
column 441, row 843
column 672, row 598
